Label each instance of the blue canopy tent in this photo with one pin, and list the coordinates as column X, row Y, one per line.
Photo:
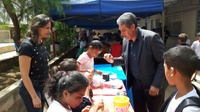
column 102, row 14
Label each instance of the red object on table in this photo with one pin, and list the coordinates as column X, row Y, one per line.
column 107, row 90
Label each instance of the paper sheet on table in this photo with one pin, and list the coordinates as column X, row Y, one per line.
column 107, row 90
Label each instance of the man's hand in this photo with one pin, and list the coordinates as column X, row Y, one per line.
column 108, row 57
column 153, row 91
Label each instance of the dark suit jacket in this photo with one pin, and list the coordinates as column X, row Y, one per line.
column 150, row 60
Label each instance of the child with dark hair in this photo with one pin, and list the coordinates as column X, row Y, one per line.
column 67, row 90
column 182, row 38
column 70, row 64
column 86, row 59
column 180, row 63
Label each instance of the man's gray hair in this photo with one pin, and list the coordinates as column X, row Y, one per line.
column 127, row 18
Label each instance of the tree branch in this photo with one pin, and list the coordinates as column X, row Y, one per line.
column 22, row 11
column 16, row 4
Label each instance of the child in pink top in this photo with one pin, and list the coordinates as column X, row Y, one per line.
column 86, row 59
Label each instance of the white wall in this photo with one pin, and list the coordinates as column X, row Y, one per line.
column 5, row 36
column 186, row 12
column 180, row 17
column 151, row 21
column 189, row 24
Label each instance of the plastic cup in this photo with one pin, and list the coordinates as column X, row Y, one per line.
column 121, row 103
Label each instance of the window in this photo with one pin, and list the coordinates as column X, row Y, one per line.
column 174, row 24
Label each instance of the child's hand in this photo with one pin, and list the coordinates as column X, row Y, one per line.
column 99, row 103
column 98, row 72
column 89, row 76
column 86, row 109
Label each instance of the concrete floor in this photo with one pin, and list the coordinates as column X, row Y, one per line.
column 171, row 42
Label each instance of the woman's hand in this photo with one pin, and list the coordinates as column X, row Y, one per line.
column 25, row 63
column 37, row 102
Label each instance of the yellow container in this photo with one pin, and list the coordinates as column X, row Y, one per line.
column 121, row 103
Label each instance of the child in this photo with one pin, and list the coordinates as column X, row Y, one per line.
column 180, row 63
column 182, row 38
column 86, row 59
column 83, row 44
column 67, row 90
column 70, row 64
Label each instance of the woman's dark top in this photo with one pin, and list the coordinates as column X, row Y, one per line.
column 39, row 59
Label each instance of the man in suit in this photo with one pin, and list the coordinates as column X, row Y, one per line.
column 142, row 55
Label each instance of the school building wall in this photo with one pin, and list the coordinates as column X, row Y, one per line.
column 181, row 17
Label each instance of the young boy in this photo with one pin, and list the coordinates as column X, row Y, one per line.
column 180, row 63
column 86, row 59
column 182, row 38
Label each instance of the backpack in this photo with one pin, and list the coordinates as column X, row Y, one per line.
column 190, row 101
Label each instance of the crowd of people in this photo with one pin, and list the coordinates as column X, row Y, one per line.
column 112, row 42
column 148, row 66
